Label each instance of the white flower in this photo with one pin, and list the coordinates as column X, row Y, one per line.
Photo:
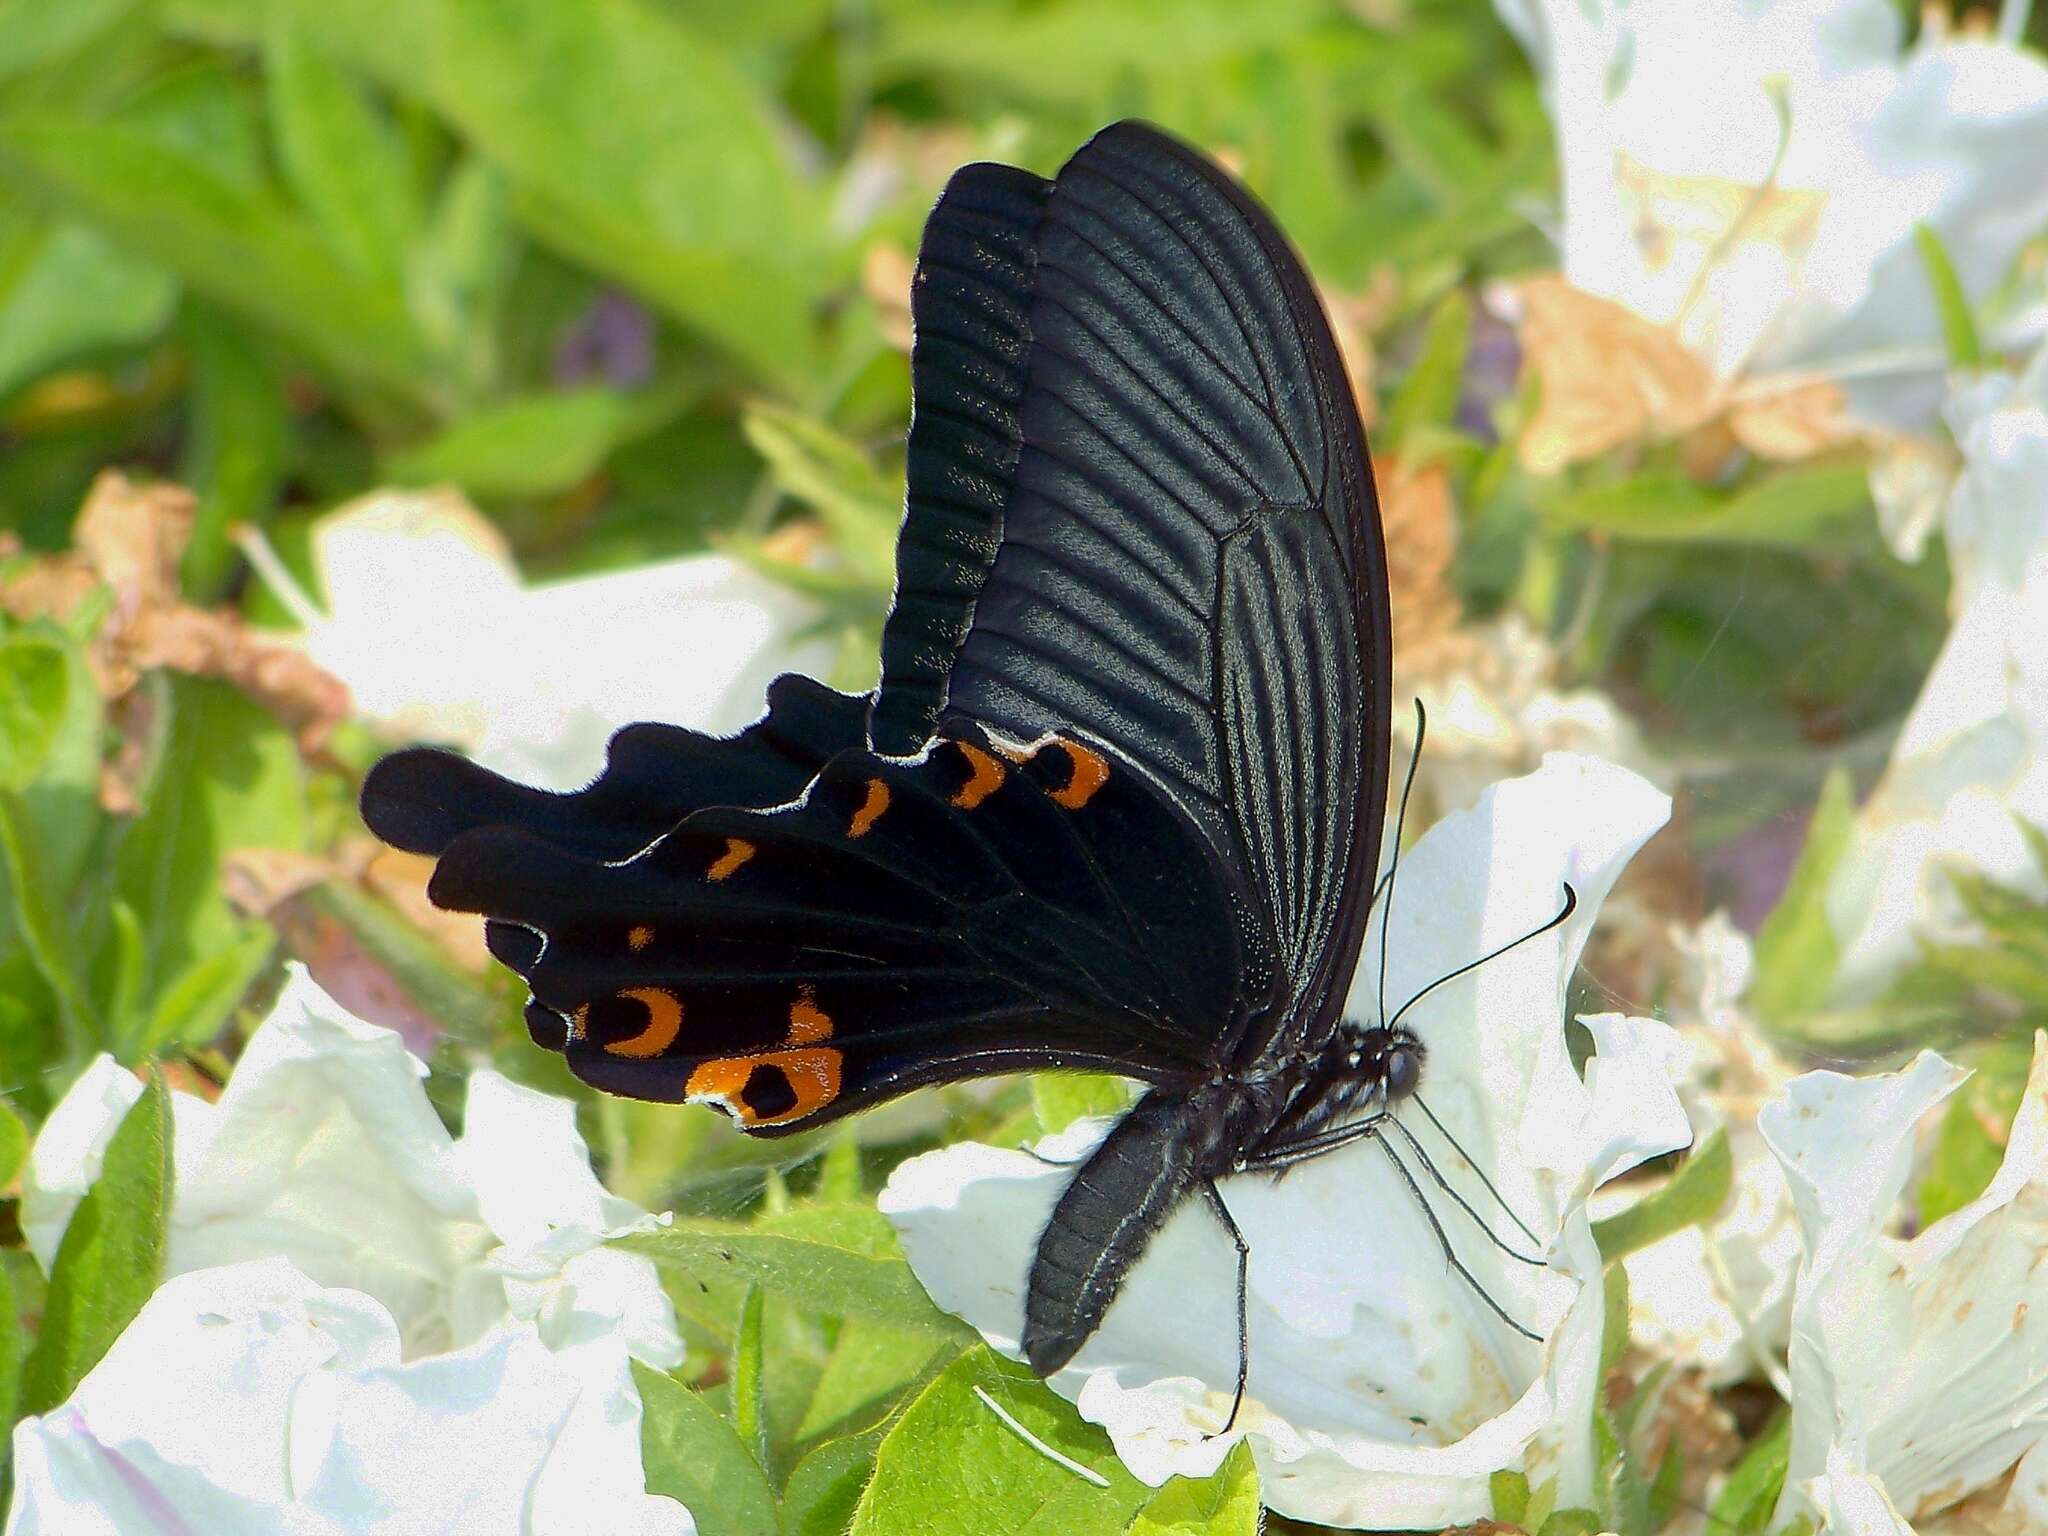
column 323, row 1149
column 250, row 1401
column 1383, row 1392
column 1718, row 1298
column 437, row 638
column 1972, row 758
column 1750, row 173
column 1919, row 1367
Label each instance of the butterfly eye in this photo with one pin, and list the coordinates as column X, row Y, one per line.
column 1403, row 1071
column 1354, row 1059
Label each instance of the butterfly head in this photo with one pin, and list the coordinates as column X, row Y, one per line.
column 1384, row 1060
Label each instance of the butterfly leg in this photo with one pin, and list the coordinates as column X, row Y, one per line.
column 1285, row 1154
column 1244, row 1331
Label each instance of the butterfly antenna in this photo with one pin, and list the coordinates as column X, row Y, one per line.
column 1444, row 1131
column 1571, row 904
column 1444, row 1242
column 1463, row 1204
column 1394, row 863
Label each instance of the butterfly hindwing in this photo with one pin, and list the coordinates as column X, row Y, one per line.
column 905, row 921
column 423, row 799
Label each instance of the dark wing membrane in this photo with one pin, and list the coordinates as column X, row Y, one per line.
column 423, row 799
column 1189, row 563
column 983, row 908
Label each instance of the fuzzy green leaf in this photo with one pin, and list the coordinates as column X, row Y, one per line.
column 838, row 1259
column 224, row 239
column 1061, row 1098
column 825, row 1488
column 1794, row 508
column 1690, row 1198
column 1225, row 1503
column 1428, row 396
column 111, row 1255
column 534, row 445
column 693, row 1455
column 1796, row 950
column 34, row 686
column 951, row 1463
column 340, row 157
column 1751, row 1492
column 1958, row 326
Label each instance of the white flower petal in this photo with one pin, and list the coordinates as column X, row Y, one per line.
column 250, row 1399
column 1382, row 1392
column 1926, row 1361
column 437, row 639
column 1752, row 174
column 324, row 1149
column 1971, row 761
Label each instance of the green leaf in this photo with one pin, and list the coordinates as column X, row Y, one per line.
column 869, row 1365
column 1614, row 1318
column 952, row 1463
column 35, row 33
column 1061, row 1098
column 838, row 1259
column 226, row 775
column 1624, row 1495
column 1958, row 327
column 194, row 1004
column 825, row 1488
column 45, row 934
column 225, row 239
column 1428, row 397
column 1510, row 1491
column 339, row 156
column 70, row 292
column 1570, row 1522
column 13, row 1145
column 862, row 507
column 638, row 150
column 1792, row 508
column 1796, row 949
column 34, row 691
column 1751, row 1492
column 747, row 1417
column 1965, row 1158
column 535, row 445
column 1691, row 1198
column 111, row 1255
column 690, row 1453
column 1225, row 1503
column 13, row 1348
column 237, row 440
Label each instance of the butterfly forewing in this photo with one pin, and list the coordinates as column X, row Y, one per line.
column 1190, row 565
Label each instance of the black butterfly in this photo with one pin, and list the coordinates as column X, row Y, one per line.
column 1118, row 799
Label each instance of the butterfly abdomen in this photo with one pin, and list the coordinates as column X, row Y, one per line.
column 1151, row 1160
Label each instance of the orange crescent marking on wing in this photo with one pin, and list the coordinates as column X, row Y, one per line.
column 870, row 810
column 986, row 780
column 1091, row 772
column 664, row 1022
column 737, row 851
column 638, row 937
column 808, row 1023
column 813, row 1076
